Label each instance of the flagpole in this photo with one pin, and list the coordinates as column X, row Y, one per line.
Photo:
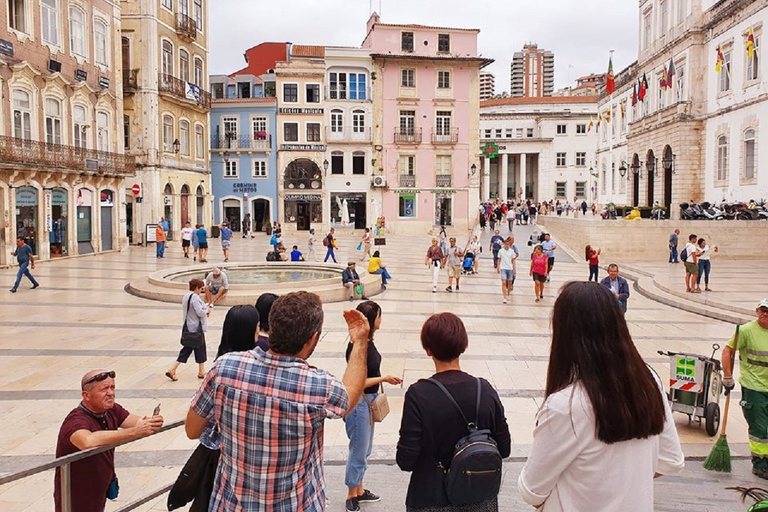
column 610, row 133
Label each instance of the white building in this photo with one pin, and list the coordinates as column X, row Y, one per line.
column 487, row 86
column 542, row 148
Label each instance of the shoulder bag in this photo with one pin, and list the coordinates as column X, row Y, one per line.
column 191, row 339
column 378, row 407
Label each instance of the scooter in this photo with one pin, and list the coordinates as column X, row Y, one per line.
column 686, row 212
column 711, row 212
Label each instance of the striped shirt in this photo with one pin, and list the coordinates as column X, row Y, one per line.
column 270, row 411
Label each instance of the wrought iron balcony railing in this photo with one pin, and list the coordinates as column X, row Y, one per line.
column 260, row 142
column 184, row 90
column 446, row 136
column 408, row 180
column 408, row 136
column 186, row 27
column 443, row 180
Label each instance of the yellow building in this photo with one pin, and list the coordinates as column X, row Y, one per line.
column 165, row 68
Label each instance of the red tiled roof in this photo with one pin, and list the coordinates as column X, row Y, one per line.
column 305, row 50
column 427, row 27
column 543, row 99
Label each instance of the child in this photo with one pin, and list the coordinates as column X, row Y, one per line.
column 591, row 255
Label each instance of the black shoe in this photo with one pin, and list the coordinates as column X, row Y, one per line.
column 760, row 472
column 363, row 297
column 449, row 289
column 352, row 505
column 368, row 497
column 457, row 287
column 36, row 285
column 12, row 290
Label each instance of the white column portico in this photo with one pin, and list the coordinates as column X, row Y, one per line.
column 522, row 175
column 503, row 182
column 486, row 178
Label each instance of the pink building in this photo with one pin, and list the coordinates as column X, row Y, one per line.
column 426, row 124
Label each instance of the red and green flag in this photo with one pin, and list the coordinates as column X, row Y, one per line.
column 610, row 82
column 643, row 88
column 670, row 73
column 634, row 95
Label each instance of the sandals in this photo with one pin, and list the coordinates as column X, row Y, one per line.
column 200, row 375
column 171, row 375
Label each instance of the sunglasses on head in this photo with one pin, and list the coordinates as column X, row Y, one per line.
column 99, row 377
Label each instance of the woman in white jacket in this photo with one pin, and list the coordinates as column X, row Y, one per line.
column 605, row 430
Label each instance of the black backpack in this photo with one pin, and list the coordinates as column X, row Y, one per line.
column 474, row 475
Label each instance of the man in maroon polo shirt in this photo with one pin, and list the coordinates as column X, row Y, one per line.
column 97, row 421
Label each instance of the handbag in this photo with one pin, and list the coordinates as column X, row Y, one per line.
column 195, row 481
column 191, row 339
column 378, row 407
column 360, row 246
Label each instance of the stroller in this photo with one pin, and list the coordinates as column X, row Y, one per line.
column 467, row 267
column 536, row 237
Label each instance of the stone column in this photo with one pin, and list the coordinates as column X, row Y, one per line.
column 503, row 182
column 486, row 178
column 522, row 175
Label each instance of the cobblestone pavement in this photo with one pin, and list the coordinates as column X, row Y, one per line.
column 81, row 319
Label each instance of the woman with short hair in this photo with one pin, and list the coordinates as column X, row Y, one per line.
column 196, row 314
column 605, row 430
column 431, row 425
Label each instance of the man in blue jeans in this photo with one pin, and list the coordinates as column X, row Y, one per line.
column 25, row 258
column 673, row 240
column 329, row 242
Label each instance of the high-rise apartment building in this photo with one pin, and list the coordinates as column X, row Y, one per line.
column 532, row 72
column 487, row 86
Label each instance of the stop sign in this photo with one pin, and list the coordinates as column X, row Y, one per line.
column 136, row 189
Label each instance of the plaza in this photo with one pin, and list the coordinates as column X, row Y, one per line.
column 81, row 319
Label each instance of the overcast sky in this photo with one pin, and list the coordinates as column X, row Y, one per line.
column 579, row 32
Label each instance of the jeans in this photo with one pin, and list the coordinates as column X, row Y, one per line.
column 330, row 254
column 360, row 434
column 510, row 222
column 673, row 255
column 704, row 268
column 24, row 271
column 160, row 249
column 384, row 275
column 495, row 258
column 593, row 270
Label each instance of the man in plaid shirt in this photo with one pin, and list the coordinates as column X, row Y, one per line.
column 270, row 408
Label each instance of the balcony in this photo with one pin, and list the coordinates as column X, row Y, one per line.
column 130, row 80
column 259, row 142
column 408, row 136
column 348, row 134
column 344, row 93
column 182, row 90
column 47, row 157
column 186, row 28
column 450, row 136
column 408, row 180
column 443, row 181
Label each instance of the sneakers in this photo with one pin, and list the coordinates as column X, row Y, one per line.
column 457, row 287
column 434, row 289
column 449, row 289
column 226, row 260
column 13, row 290
column 36, row 285
column 368, row 497
column 504, row 301
column 351, row 299
column 352, row 505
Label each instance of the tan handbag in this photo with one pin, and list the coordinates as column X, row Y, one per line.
column 378, row 407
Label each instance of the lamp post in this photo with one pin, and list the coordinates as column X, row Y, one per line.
column 623, row 169
column 325, row 165
column 176, row 146
column 637, row 169
column 472, row 172
column 651, row 167
column 668, row 162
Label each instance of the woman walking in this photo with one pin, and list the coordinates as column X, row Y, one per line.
column 594, row 264
column 605, row 430
column 434, row 260
column 358, row 421
column 311, row 242
column 375, row 266
column 704, row 264
column 365, row 244
column 431, row 425
column 196, row 314
column 539, row 266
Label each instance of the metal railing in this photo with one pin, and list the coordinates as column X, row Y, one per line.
column 259, row 142
column 443, row 180
column 408, row 136
column 183, row 90
column 348, row 134
column 408, row 180
column 130, row 80
column 34, row 153
column 66, row 477
column 186, row 27
column 450, row 136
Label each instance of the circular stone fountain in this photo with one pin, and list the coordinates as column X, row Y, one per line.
column 249, row 280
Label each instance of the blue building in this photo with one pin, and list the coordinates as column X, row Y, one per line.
column 243, row 152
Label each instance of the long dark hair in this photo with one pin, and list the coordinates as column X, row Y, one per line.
column 588, row 252
column 238, row 333
column 371, row 312
column 591, row 344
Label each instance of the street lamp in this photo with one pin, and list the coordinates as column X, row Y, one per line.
column 472, row 171
column 325, row 165
column 176, row 146
column 225, row 156
column 637, row 169
column 623, row 168
column 651, row 166
column 669, row 162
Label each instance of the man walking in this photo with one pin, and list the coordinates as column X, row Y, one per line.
column 434, row 259
column 330, row 243
column 510, row 218
column 26, row 259
column 495, row 247
column 160, row 241
column 506, row 267
column 186, row 238
column 618, row 286
column 97, row 421
column 453, row 258
column 752, row 345
column 226, row 240
column 548, row 246
column 673, row 246
column 270, row 409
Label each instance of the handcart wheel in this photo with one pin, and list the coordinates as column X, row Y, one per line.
column 712, row 418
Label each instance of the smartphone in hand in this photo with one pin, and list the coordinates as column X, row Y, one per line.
column 157, row 410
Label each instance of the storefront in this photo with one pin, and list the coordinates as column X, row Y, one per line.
column 107, row 201
column 349, row 209
column 232, row 213
column 27, row 221
column 303, row 202
column 84, row 217
column 444, row 208
column 58, row 219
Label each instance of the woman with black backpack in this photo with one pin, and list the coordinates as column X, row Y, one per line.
column 449, row 408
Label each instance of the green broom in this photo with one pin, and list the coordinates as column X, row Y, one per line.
column 719, row 459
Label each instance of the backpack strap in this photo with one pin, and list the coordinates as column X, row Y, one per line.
column 471, row 426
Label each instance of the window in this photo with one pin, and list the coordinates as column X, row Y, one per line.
column 102, row 125
column 230, row 169
column 22, row 117
column 357, row 86
column 79, row 126
column 443, row 43
column 49, row 11
column 407, row 122
column 197, row 13
column 560, row 160
column 519, row 133
column 647, row 27
column 338, row 89
column 407, row 165
column 100, row 42
column 358, row 163
column 680, row 78
column 126, row 132
column 560, row 189
column 17, row 14
column 725, row 73
column 581, row 189
column 291, row 132
column 231, row 129
column 664, row 17
column 722, row 158
column 682, row 10
column 167, row 134
column 77, row 31
column 443, row 120
column 259, row 169
column 313, row 93
column 184, row 65
column 487, row 133
column 259, row 128
column 443, row 165
column 508, row 133
column 52, row 121
column 358, row 121
column 337, row 121
column 406, row 41
column 407, row 206
column 168, row 4
column 753, row 63
column 291, row 93
column 443, row 79
column 313, row 132
column 337, row 162
column 184, row 7
column 561, row 129
column 498, row 133
column 408, row 78
column 199, row 142
column 581, row 129
column 750, row 155
column 581, row 159
column 199, row 72
column 529, row 133
column 167, row 58
column 184, row 137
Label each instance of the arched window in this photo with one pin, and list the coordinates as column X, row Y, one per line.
column 722, row 158
column 79, row 126
column 77, row 31
column 167, row 134
column 52, row 121
column 102, row 124
column 184, row 65
column 184, row 137
column 750, row 155
column 303, row 174
column 199, row 76
column 100, row 42
column 167, row 62
column 22, row 114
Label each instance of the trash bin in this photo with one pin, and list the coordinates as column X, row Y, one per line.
column 215, row 231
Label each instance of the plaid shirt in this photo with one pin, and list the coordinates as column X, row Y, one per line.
column 270, row 412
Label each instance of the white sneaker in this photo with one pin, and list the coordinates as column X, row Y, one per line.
column 434, row 289
column 505, row 300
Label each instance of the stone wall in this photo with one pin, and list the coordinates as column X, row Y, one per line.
column 645, row 240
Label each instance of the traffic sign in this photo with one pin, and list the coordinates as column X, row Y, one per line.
column 136, row 189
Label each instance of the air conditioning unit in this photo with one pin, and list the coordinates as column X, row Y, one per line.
column 379, row 181
column 54, row 66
